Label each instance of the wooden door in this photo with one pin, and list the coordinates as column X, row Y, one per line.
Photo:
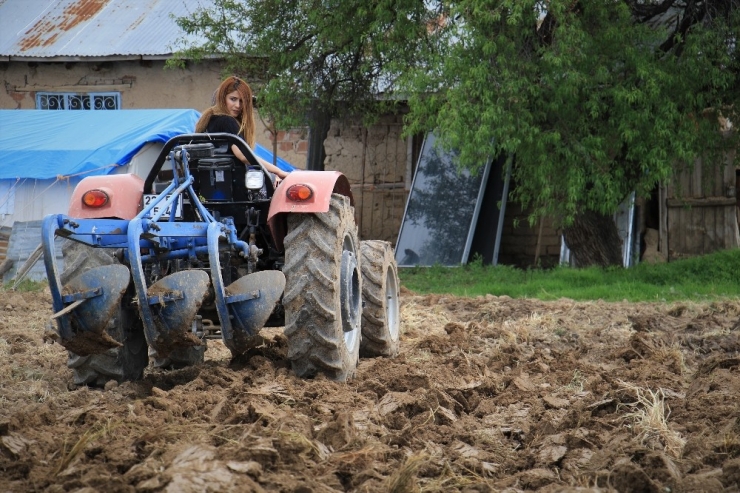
column 701, row 207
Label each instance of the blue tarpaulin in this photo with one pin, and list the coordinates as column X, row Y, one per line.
column 263, row 153
column 46, row 144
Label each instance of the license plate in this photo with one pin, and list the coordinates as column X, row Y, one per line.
column 148, row 199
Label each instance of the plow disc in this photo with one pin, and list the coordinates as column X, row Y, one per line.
column 249, row 302
column 246, row 304
column 174, row 301
column 91, row 300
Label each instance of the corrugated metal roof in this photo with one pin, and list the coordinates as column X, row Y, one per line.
column 91, row 28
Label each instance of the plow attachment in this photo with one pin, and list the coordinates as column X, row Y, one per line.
column 246, row 304
column 85, row 305
column 168, row 307
column 90, row 301
column 173, row 302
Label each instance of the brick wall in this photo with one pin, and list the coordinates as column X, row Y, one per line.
column 292, row 145
column 375, row 162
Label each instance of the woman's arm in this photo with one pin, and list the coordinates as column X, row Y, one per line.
column 273, row 169
column 268, row 166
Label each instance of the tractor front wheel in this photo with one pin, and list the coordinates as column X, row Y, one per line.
column 323, row 293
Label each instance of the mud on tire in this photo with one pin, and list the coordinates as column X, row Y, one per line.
column 123, row 363
column 381, row 313
column 322, row 297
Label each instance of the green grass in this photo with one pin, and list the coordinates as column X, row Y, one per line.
column 707, row 277
column 25, row 286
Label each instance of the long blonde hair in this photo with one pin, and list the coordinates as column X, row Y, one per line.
column 246, row 122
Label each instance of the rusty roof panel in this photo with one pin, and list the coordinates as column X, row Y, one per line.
column 91, row 28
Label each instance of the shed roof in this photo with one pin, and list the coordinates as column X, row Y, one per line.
column 73, row 29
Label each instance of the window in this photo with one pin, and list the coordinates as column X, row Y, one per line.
column 74, row 101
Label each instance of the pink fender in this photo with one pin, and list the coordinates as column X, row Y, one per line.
column 323, row 184
column 124, row 197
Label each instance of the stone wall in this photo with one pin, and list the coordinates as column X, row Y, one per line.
column 377, row 163
column 141, row 84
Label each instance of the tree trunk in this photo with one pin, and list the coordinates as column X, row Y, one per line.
column 593, row 239
column 319, row 129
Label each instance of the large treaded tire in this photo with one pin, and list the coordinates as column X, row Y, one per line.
column 323, row 293
column 79, row 258
column 122, row 363
column 380, row 286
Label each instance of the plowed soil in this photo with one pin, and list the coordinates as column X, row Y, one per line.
column 488, row 394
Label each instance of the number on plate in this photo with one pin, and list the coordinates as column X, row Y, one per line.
column 148, row 199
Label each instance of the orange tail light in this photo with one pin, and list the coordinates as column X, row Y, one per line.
column 95, row 198
column 299, row 192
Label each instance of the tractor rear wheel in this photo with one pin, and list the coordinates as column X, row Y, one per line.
column 381, row 313
column 323, row 293
column 121, row 363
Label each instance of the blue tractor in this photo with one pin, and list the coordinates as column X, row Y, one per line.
column 206, row 246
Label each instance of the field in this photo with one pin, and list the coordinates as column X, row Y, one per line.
column 488, row 394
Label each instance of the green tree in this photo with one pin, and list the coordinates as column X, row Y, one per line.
column 594, row 98
column 317, row 60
